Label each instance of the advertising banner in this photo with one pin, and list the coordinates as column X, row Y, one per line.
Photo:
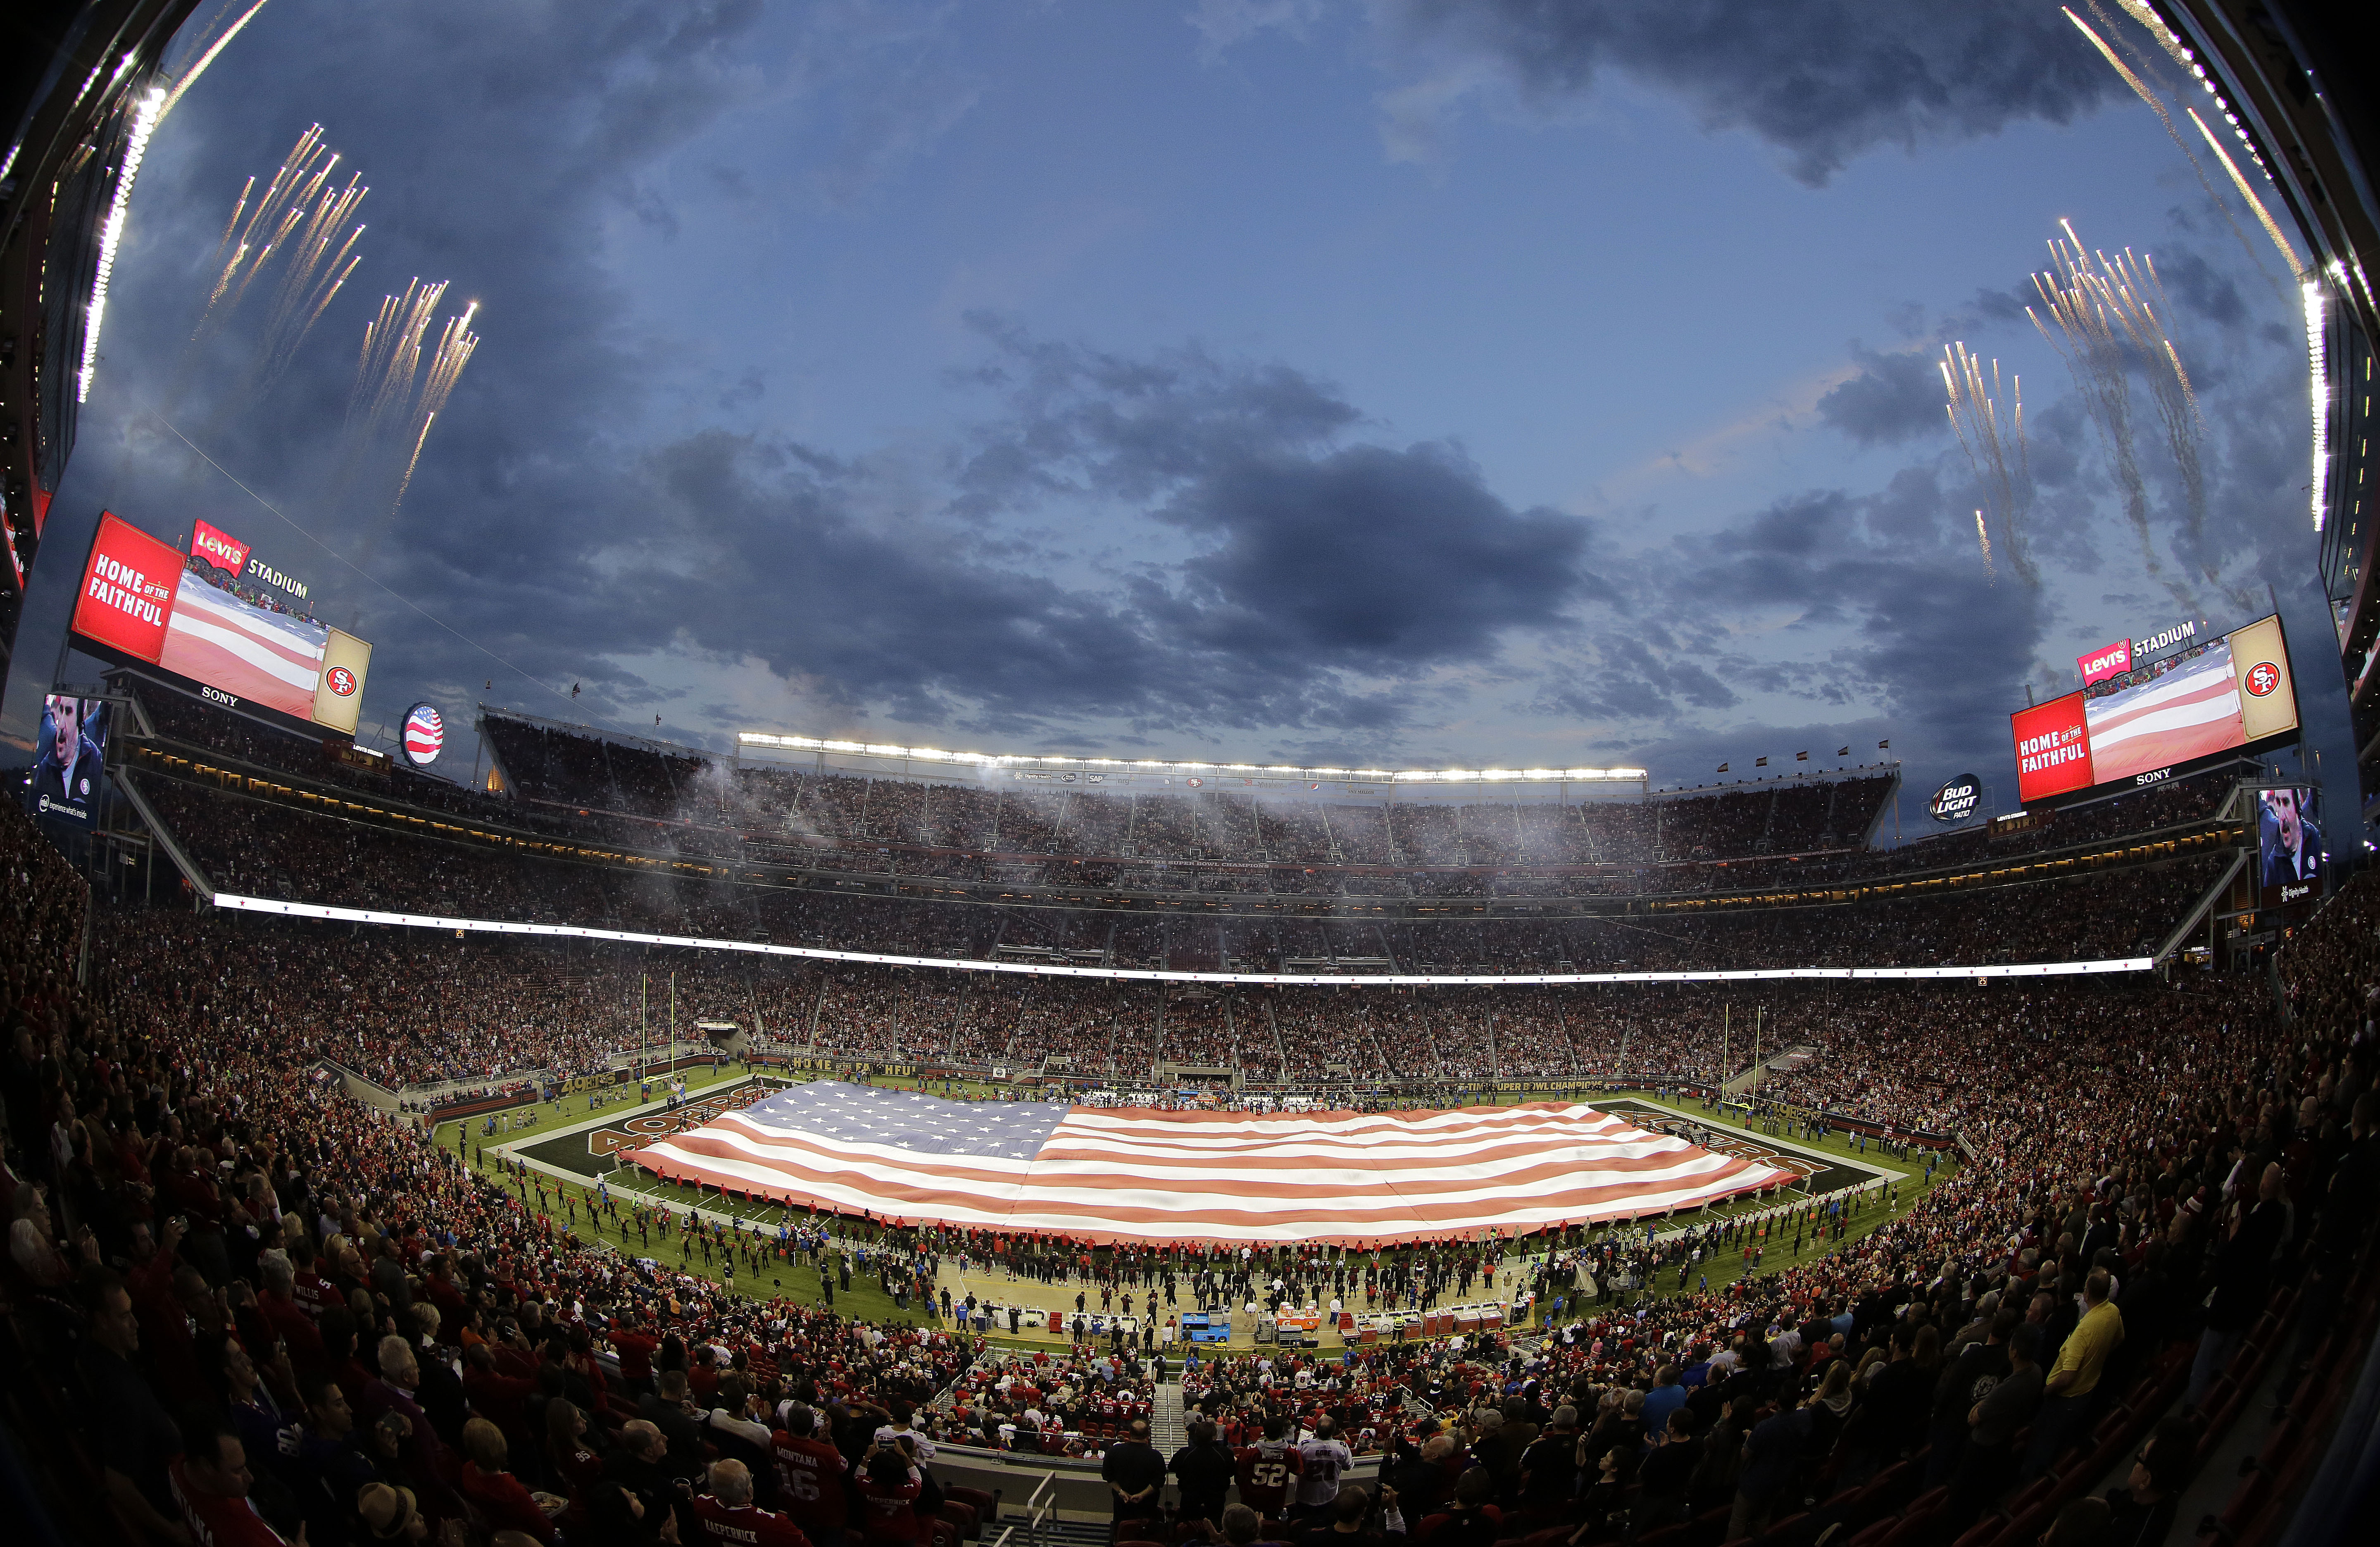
column 2107, row 660
column 1957, row 800
column 128, row 590
column 2053, row 750
column 206, row 628
column 219, row 548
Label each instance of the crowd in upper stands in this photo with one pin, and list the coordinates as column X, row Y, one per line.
column 242, row 1305
column 653, row 796
column 484, row 1009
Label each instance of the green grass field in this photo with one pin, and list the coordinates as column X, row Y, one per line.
column 799, row 1282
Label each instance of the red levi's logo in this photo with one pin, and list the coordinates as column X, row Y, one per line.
column 218, row 547
column 2107, row 660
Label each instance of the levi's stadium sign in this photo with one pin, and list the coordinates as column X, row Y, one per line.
column 1957, row 800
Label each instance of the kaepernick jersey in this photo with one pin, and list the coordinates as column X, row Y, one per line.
column 1266, row 1469
column 760, row 1528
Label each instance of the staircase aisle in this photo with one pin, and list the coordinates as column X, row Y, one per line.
column 1166, row 1429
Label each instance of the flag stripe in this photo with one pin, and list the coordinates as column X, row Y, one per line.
column 1135, row 1173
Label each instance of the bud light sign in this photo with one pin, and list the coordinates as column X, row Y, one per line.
column 1957, row 800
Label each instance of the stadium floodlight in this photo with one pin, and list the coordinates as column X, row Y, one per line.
column 1025, row 759
column 2318, row 368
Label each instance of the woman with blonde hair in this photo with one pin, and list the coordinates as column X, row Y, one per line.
column 495, row 1492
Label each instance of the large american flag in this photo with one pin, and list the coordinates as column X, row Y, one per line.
column 2187, row 714
column 1105, row 1173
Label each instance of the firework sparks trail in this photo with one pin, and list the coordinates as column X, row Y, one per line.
column 2263, row 215
column 291, row 228
column 1994, row 443
column 1985, row 538
column 2128, row 290
column 457, row 343
column 2084, row 303
column 392, row 390
column 189, row 77
column 2156, row 105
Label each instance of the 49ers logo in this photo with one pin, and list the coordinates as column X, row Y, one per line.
column 342, row 681
column 2263, row 678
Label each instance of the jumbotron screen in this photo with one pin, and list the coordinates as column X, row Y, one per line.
column 2144, row 724
column 194, row 620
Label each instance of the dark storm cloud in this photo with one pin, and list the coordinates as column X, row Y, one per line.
column 1823, row 80
column 1310, row 577
column 1894, row 398
column 1844, row 599
column 1370, row 556
column 1323, row 574
column 1077, row 420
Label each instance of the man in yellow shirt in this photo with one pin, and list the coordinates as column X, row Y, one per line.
column 2067, row 1398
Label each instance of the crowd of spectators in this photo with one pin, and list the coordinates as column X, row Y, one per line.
column 617, row 789
column 255, row 848
column 244, row 1303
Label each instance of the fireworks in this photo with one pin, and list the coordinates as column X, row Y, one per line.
column 2109, row 314
column 1994, row 443
column 292, row 229
column 394, row 402
column 2263, row 215
column 214, row 46
column 456, row 345
column 2156, row 105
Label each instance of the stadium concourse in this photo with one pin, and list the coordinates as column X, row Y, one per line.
column 225, row 1224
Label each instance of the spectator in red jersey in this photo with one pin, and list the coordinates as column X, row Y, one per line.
column 278, row 1305
column 728, row 1515
column 573, row 1461
column 1267, row 1470
column 889, row 1487
column 810, row 1477
column 210, row 1481
column 495, row 1492
column 636, row 1346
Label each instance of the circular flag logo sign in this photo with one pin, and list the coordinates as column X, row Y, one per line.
column 425, row 735
column 2263, row 678
column 342, row 681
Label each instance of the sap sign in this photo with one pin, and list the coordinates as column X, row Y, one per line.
column 1957, row 800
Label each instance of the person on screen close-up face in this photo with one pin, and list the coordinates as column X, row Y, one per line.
column 65, row 723
column 2296, row 845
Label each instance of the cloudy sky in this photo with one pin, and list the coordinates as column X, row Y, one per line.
column 1403, row 381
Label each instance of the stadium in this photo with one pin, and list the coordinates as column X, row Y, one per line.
column 437, row 1118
